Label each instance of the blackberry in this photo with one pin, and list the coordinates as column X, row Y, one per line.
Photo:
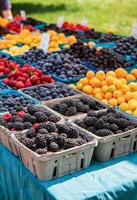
column 70, row 143
column 54, row 118
column 53, row 146
column 10, row 125
column 73, row 133
column 31, row 133
column 19, row 126
column 33, row 119
column 89, row 121
column 80, row 141
column 32, row 109
column 51, row 127
column 111, row 119
column 61, row 139
column 71, row 111
column 27, row 118
column 103, row 132
column 129, row 128
column 79, row 107
column 2, row 121
column 40, row 141
column 85, row 99
column 100, row 114
column 78, row 121
column 55, row 135
column 63, row 128
column 122, row 123
column 91, row 129
column 14, row 118
column 40, row 117
column 85, row 108
column 41, row 151
column 113, row 127
column 18, row 108
column 27, row 125
column 29, row 143
column 99, row 124
column 49, row 138
column 43, row 131
column 13, row 112
column 104, row 118
column 62, row 108
column 69, row 102
column 91, row 114
column 92, row 104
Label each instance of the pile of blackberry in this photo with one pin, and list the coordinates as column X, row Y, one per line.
column 106, row 123
column 31, row 21
column 102, row 59
column 71, row 107
column 32, row 116
column 14, row 102
column 50, row 91
column 52, row 137
column 109, row 37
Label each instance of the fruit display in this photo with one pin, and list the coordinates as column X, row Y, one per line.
column 126, row 46
column 21, row 118
column 78, row 27
column 52, row 137
column 7, row 66
column 101, row 58
column 15, row 50
column 76, row 106
column 17, row 27
column 62, row 65
column 26, row 76
column 3, row 31
column 106, row 123
column 50, row 91
column 13, row 100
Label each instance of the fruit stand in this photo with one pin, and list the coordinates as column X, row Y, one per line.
column 68, row 112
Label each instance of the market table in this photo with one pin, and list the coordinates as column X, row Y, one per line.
column 115, row 179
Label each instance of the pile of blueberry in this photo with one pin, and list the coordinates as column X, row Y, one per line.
column 103, row 58
column 52, row 137
column 105, row 123
column 71, row 107
column 50, row 91
column 13, row 101
column 31, row 117
column 61, row 64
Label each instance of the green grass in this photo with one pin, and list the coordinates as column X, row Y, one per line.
column 101, row 14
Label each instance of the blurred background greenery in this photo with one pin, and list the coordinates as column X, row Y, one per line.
column 101, row 14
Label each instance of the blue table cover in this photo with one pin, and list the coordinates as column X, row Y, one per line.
column 115, row 179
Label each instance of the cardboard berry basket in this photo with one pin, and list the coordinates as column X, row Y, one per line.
column 112, row 146
column 53, row 102
column 63, row 162
column 5, row 134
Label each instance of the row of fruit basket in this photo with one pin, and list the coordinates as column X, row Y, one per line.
column 56, row 128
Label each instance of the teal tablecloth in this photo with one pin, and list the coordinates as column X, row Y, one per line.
column 115, row 179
